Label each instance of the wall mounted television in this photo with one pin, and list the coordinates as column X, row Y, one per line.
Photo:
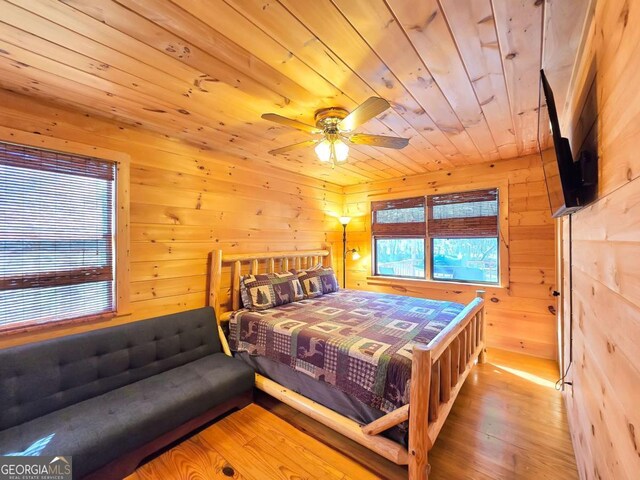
column 571, row 185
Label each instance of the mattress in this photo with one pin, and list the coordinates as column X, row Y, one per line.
column 357, row 343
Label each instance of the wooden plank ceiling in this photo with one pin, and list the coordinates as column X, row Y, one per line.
column 462, row 75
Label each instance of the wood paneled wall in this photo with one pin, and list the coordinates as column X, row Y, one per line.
column 604, row 112
column 520, row 316
column 185, row 202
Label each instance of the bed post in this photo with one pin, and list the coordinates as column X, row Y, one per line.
column 329, row 258
column 214, row 282
column 482, row 358
column 419, row 442
column 214, row 295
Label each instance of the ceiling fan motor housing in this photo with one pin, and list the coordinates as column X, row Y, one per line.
column 328, row 118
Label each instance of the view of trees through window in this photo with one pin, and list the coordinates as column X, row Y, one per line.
column 465, row 259
column 400, row 257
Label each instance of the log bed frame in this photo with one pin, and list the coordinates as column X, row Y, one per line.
column 438, row 369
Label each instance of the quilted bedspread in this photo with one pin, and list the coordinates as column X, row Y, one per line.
column 359, row 342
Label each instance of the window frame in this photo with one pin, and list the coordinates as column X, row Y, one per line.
column 503, row 237
column 121, row 226
column 411, row 230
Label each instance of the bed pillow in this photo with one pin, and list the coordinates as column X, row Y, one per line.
column 317, row 282
column 268, row 290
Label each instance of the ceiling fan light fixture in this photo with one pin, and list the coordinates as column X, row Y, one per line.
column 332, row 150
column 341, row 151
column 323, row 150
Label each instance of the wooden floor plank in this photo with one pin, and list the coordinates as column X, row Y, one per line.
column 191, row 460
column 323, row 457
column 507, row 423
column 288, row 450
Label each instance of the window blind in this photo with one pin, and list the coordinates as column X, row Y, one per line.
column 463, row 215
column 404, row 217
column 56, row 235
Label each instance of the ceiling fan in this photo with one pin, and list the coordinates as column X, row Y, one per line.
column 335, row 125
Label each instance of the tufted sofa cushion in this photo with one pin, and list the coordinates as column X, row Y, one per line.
column 36, row 379
column 100, row 429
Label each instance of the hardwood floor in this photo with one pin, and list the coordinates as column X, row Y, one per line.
column 508, row 423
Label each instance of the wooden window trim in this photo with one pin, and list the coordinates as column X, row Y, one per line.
column 122, row 200
column 503, row 237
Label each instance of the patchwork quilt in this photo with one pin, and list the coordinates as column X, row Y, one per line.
column 359, row 342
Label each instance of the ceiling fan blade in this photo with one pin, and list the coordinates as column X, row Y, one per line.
column 274, row 117
column 378, row 140
column 371, row 107
column 306, row 143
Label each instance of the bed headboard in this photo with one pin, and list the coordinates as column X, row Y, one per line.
column 272, row 262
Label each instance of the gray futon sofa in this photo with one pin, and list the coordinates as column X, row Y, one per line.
column 111, row 397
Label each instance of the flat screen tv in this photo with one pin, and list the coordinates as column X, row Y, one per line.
column 568, row 187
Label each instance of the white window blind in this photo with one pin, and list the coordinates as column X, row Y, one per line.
column 56, row 236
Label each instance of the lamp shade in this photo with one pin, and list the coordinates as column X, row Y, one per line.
column 341, row 150
column 355, row 255
column 344, row 220
column 323, row 150
column 332, row 150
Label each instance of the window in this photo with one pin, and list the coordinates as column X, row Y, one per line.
column 462, row 233
column 57, row 236
column 400, row 257
column 463, row 229
column 399, row 237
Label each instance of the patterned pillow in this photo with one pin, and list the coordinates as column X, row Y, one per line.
column 319, row 281
column 268, row 290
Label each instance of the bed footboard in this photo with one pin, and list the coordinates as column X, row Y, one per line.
column 438, row 371
column 437, row 375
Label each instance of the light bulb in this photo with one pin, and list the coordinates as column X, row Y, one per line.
column 344, row 220
column 341, row 151
column 355, row 255
column 323, row 150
